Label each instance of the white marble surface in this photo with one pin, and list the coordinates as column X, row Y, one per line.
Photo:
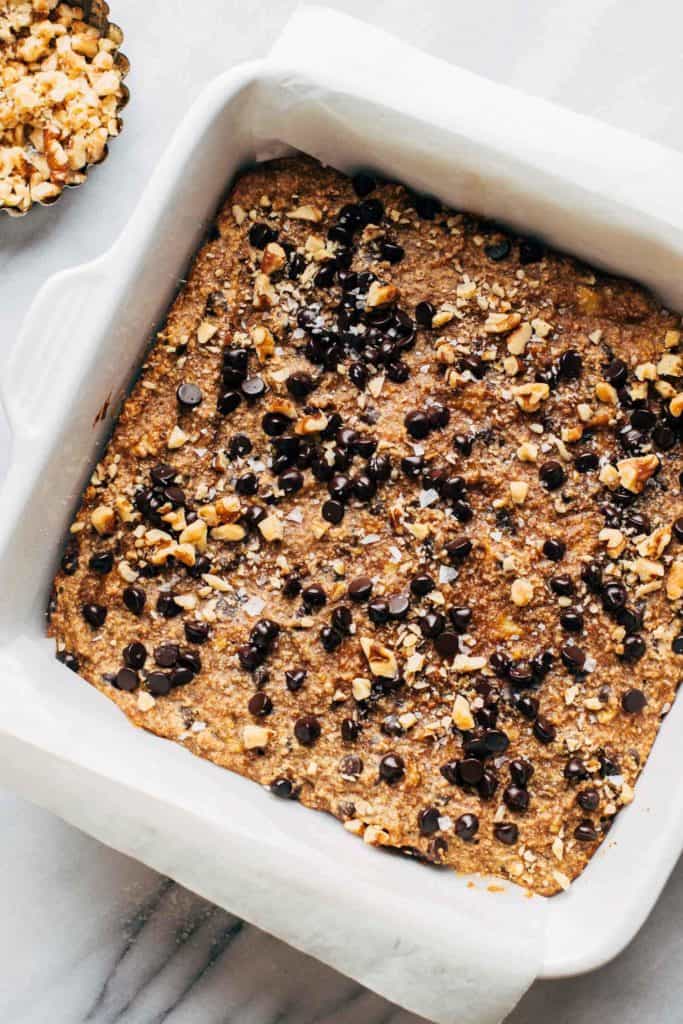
column 85, row 933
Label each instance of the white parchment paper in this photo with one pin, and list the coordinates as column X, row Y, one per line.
column 451, row 951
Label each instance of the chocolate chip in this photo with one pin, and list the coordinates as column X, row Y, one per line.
column 162, row 474
column 295, row 679
column 531, row 251
column 260, row 705
column 351, row 766
column 371, row 211
column 300, row 384
column 571, row 620
column 562, row 585
column 102, row 562
column 330, row 638
column 274, row 424
column 613, row 597
column 677, row 644
column 633, row 701
column 544, row 730
column 552, row 475
column 461, row 619
column 424, row 312
column 126, row 679
column 585, row 831
column 575, row 770
column 428, row 821
column 189, row 396
column 360, row 589
column 591, row 574
column 264, row 633
column 586, row 463
column 554, row 549
column 363, row 487
column 412, row 465
column 392, row 252
column 447, row 644
column 527, row 706
column 350, row 730
column 506, row 832
column 468, row 772
column 466, row 827
column 314, row 596
column 417, row 424
column 488, row 785
column 135, row 655
column 616, row 373
column 358, row 375
column 432, row 624
column 495, row 741
column 391, row 768
column 196, row 632
column 134, row 598
column 501, row 663
column 167, row 607
column 521, row 771
column 250, row 656
column 166, row 655
column 342, row 619
column 159, row 684
column 94, row 615
column 379, row 468
column 438, row 415
column 253, row 387
column 228, row 401
column 588, row 800
column 427, row 207
column 422, row 585
column 180, row 676
column 516, row 799
column 459, row 548
column 634, row 649
column 573, row 658
column 363, row 184
column 399, row 606
column 570, row 364
column 498, row 251
column 378, row 611
column 307, row 730
column 282, row 788
column 260, row 235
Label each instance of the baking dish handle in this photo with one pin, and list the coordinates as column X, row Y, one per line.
column 44, row 359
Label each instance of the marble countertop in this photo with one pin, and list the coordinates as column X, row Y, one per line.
column 89, row 935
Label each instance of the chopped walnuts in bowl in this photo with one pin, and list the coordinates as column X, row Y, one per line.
column 61, row 91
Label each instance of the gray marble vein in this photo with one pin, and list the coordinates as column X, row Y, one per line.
column 87, row 935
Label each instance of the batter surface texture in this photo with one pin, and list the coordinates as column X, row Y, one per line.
column 391, row 523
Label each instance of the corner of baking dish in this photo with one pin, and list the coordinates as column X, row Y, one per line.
column 78, row 349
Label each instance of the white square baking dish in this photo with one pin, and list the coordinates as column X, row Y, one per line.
column 585, row 188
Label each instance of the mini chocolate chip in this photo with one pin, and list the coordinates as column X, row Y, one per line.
column 552, row 475
column 428, row 821
column 575, row 770
column 527, row 706
column 571, row 620
column 134, row 598
column 260, row 705
column 300, row 384
column 253, row 387
column 189, row 396
column 282, row 788
column 634, row 649
column 677, row 644
column 274, row 424
column 468, row 772
column 554, row 549
column 307, row 730
column 516, row 799
column 459, row 548
column 291, row 481
column 447, row 644
column 166, row 655
column 506, row 832
column 678, row 529
column 379, row 468
column 295, row 679
column 422, row 585
column 588, row 800
column 544, row 730
column 461, row 619
column 181, row 676
column 562, row 585
column 392, row 252
column 264, row 633
column 228, row 401
column 332, row 511
column 135, row 655
column 261, row 234
column 378, row 611
column 167, row 607
column 585, row 831
column 630, row 618
column 330, row 638
column 360, row 589
column 191, row 661
column 196, row 632
column 162, row 474
column 363, row 184
column 350, row 730
column 392, row 768
column 498, row 251
column 616, row 373
column 399, row 606
column 351, row 766
column 573, row 658
column 633, row 701
column 412, row 465
column 521, row 771
column 417, row 424
column 432, row 623
column 424, row 312
column 364, row 487
column 591, row 574
column 613, row 597
column 427, row 207
column 126, row 679
column 586, row 463
column 495, row 741
column 159, row 684
column 250, row 656
column 371, row 211
column 94, row 615
column 341, row 619
column 488, row 785
column 314, row 596
column 438, row 415
column 570, row 364
column 102, row 562
column 531, row 251
column 466, row 827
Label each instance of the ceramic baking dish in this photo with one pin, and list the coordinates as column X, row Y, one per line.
column 486, row 149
